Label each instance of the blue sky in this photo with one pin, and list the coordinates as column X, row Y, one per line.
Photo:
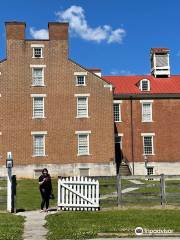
column 115, row 35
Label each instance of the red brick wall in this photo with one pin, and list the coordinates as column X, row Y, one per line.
column 16, row 121
column 165, row 125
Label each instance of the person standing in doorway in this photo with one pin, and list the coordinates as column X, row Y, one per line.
column 45, row 187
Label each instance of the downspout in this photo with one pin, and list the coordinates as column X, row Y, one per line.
column 132, row 137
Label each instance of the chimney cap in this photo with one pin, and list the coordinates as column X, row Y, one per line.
column 160, row 50
column 15, row 23
column 58, row 23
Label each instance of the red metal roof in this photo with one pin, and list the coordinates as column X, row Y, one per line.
column 130, row 84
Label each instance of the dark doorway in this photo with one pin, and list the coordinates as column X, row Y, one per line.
column 118, row 151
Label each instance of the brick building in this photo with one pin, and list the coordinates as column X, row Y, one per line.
column 58, row 114
column 147, row 117
column 54, row 112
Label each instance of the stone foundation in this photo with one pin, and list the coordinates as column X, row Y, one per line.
column 158, row 168
column 76, row 169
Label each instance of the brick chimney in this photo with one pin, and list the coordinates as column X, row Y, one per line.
column 58, row 31
column 160, row 62
column 15, row 30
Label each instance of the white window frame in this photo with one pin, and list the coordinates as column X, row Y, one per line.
column 152, row 168
column 42, row 134
column 143, row 102
column 141, row 85
column 117, row 102
column 87, row 104
column 83, row 74
column 38, row 67
column 41, row 56
column 152, row 137
column 33, row 46
column 87, row 133
column 38, row 96
column 84, row 84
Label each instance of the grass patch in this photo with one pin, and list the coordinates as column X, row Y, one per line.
column 11, row 227
column 84, row 225
column 28, row 195
column 3, row 195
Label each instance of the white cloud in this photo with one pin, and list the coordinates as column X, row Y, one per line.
column 39, row 34
column 79, row 27
column 121, row 72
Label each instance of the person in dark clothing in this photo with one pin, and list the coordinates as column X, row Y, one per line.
column 45, row 188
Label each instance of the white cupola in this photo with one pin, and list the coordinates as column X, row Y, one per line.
column 160, row 62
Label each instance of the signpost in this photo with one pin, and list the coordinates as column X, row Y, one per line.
column 9, row 165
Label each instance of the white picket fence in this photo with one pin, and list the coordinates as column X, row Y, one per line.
column 78, row 193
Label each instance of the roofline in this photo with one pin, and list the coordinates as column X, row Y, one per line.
column 148, row 96
column 3, row 60
column 33, row 39
column 91, row 72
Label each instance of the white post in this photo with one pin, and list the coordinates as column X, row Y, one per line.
column 9, row 189
column 9, row 165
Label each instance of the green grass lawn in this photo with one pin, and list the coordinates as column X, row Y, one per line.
column 3, row 194
column 28, row 195
column 84, row 225
column 11, row 227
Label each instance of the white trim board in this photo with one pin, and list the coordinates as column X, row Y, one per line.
column 38, row 132
column 37, row 66
column 147, row 134
column 117, row 101
column 82, row 95
column 80, row 73
column 37, row 45
column 38, row 95
column 146, row 101
column 83, row 132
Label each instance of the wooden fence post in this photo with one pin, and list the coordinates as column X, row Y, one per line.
column 163, row 190
column 119, row 190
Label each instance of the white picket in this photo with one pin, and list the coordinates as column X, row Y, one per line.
column 78, row 193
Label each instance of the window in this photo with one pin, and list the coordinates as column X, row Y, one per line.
column 148, row 144
column 37, row 76
column 146, row 112
column 38, row 107
column 82, row 107
column 117, row 112
column 150, row 171
column 37, row 52
column 83, row 142
column 80, row 80
column 145, row 85
column 38, row 143
column 84, row 172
